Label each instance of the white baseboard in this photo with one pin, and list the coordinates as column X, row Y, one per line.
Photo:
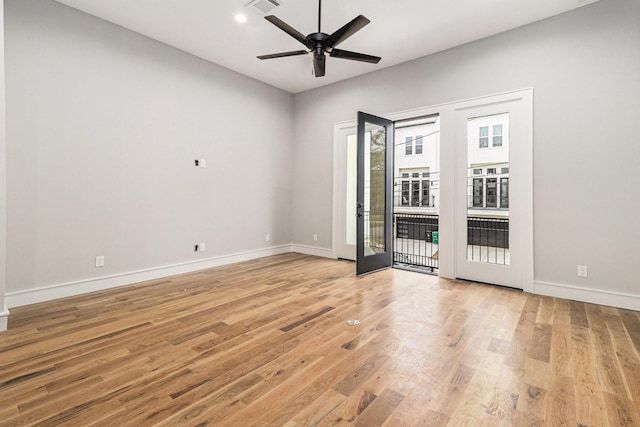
column 590, row 295
column 4, row 317
column 313, row 250
column 62, row 290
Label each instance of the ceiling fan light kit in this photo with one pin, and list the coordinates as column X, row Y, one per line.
column 320, row 43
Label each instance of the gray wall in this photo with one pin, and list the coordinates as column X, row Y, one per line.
column 584, row 67
column 3, row 177
column 103, row 126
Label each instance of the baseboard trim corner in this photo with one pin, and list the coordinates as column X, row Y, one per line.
column 312, row 250
column 4, row 319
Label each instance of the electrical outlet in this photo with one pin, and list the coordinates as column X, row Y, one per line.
column 582, row 271
column 201, row 163
column 100, row 261
column 202, row 247
column 267, row 238
column 315, row 237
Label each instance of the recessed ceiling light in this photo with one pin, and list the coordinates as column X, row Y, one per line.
column 241, row 18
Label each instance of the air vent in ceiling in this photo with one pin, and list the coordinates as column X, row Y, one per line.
column 264, row 6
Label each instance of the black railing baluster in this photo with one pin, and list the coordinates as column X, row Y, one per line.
column 413, row 240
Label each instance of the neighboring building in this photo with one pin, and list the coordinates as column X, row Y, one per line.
column 417, row 166
column 488, row 170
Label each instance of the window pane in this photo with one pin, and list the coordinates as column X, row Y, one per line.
column 497, row 135
column 408, row 146
column 415, row 193
column 477, row 192
column 425, row 193
column 492, row 192
column 488, row 189
column 352, row 174
column 405, row 192
column 504, row 192
column 375, row 188
column 484, row 136
column 419, row 144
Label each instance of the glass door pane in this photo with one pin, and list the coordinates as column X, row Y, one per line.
column 352, row 173
column 488, row 165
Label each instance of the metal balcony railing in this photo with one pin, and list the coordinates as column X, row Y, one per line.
column 415, row 241
column 488, row 240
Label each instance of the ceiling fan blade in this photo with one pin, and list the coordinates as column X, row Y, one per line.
column 355, row 56
column 283, row 54
column 346, row 31
column 287, row 28
column 319, row 65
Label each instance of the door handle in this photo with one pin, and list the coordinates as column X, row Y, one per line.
column 358, row 205
column 359, row 215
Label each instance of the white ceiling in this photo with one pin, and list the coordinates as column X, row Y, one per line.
column 399, row 31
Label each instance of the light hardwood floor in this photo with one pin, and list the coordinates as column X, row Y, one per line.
column 267, row 343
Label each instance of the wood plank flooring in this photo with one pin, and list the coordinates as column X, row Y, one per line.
column 267, row 343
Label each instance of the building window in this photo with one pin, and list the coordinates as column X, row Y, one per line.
column 405, row 192
column 477, row 192
column 489, row 191
column 497, row 135
column 425, row 193
column 484, row 136
column 504, row 192
column 408, row 146
column 492, row 192
column 415, row 193
column 491, row 139
column 415, row 188
column 477, row 171
column 419, row 144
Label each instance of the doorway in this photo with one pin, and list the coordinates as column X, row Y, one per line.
column 462, row 247
column 417, row 194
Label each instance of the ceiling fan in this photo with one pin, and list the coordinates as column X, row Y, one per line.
column 320, row 43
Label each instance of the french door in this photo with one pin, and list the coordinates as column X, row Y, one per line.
column 493, row 189
column 374, row 206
